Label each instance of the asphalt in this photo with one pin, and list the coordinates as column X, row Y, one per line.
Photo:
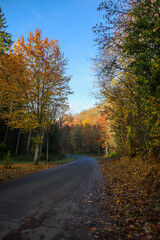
column 41, row 205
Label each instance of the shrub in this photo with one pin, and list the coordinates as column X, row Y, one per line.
column 8, row 162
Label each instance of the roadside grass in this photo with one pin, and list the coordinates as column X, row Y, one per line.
column 22, row 166
column 64, row 160
column 134, row 186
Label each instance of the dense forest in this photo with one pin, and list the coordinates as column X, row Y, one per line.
column 88, row 132
column 128, row 73
column 35, row 88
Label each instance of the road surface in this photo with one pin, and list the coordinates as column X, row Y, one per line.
column 50, row 204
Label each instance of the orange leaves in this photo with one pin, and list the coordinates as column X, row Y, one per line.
column 135, row 185
column 93, row 229
column 93, row 130
column 34, row 81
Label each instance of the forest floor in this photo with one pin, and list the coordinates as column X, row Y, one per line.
column 10, row 170
column 131, row 197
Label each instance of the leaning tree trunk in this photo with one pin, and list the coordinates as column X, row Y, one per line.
column 17, row 147
column 47, row 144
column 28, row 144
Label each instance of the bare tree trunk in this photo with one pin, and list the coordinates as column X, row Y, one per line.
column 36, row 154
column 6, row 133
column 19, row 132
column 47, row 148
column 29, row 140
column 38, row 145
column 41, row 141
column 106, row 151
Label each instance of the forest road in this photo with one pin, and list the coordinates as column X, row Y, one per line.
column 52, row 204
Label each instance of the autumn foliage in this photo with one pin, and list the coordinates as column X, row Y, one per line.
column 134, row 187
column 88, row 132
column 34, row 85
column 128, row 70
column 128, row 77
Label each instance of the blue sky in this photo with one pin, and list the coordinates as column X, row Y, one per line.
column 68, row 21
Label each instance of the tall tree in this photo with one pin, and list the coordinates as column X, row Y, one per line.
column 37, row 71
column 5, row 38
column 5, row 43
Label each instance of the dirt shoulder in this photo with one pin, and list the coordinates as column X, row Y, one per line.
column 16, row 170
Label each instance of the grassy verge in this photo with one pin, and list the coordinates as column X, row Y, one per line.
column 15, row 169
column 134, row 185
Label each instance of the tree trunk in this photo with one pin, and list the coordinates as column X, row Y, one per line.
column 42, row 141
column 19, row 132
column 106, row 151
column 28, row 144
column 47, row 148
column 6, row 133
column 36, row 153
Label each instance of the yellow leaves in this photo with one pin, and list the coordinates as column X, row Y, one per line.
column 114, row 82
column 86, row 121
column 93, row 229
column 118, row 201
column 32, row 77
column 37, row 139
column 132, row 226
column 155, row 29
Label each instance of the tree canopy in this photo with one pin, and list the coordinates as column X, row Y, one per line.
column 34, row 84
column 128, row 72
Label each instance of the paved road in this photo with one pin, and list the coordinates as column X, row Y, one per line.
column 39, row 206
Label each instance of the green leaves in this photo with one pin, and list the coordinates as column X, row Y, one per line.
column 5, row 38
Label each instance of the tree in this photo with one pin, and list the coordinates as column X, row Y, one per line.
column 36, row 70
column 5, row 43
column 128, row 71
column 142, row 44
column 5, row 38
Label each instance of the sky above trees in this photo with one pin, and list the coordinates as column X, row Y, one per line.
column 70, row 22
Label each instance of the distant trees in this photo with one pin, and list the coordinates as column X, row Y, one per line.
column 87, row 132
column 128, row 70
